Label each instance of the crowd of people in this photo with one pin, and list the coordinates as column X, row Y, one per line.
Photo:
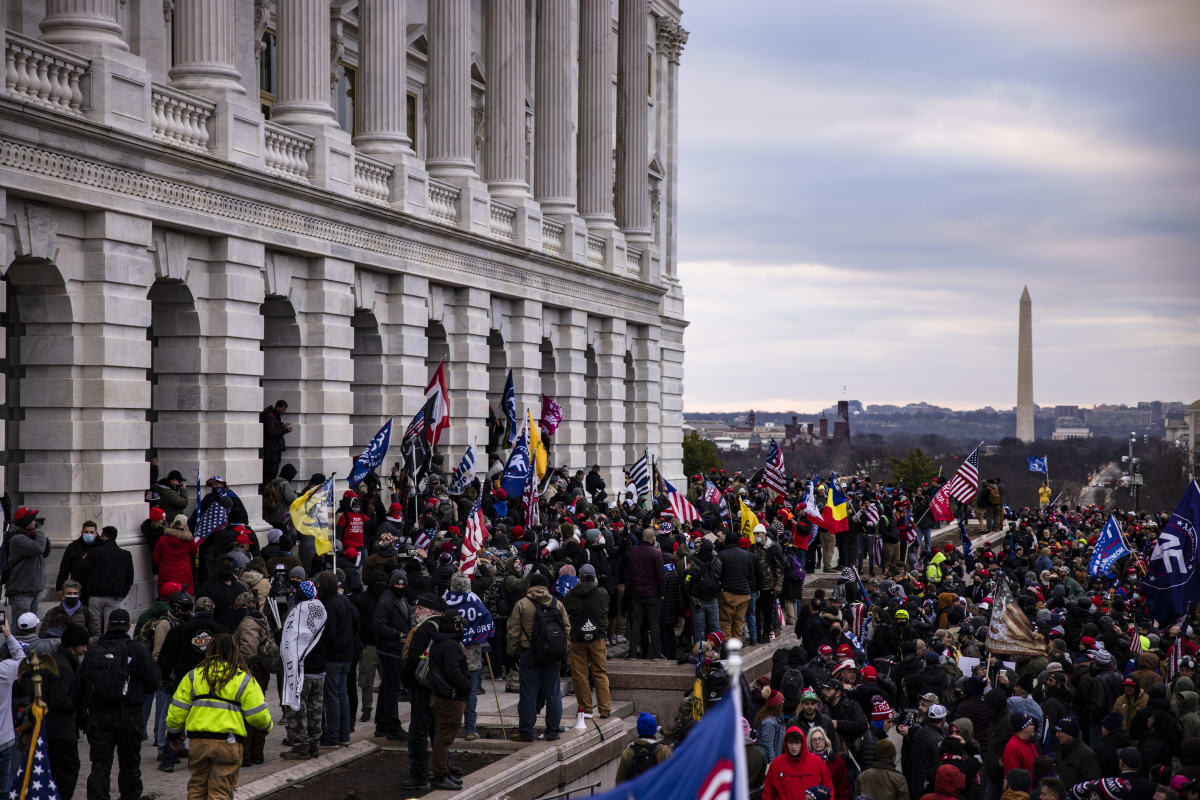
column 888, row 692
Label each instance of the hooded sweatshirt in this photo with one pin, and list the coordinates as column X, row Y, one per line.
column 520, row 623
column 948, row 784
column 789, row 776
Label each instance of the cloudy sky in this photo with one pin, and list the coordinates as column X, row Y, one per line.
column 867, row 185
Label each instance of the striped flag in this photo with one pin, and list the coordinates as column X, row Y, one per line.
column 215, row 517
column 530, row 498
column 773, row 475
column 473, row 540
column 965, row 484
column 811, row 509
column 1174, row 655
column 871, row 512
column 463, row 473
column 877, row 549
column 681, row 507
column 639, row 475
column 713, row 495
column 858, row 615
column 1135, row 643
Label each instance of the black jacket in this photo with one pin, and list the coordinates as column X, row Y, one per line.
column 273, row 430
column 448, row 664
column 107, row 571
column 420, row 638
column 223, row 596
column 341, row 629
column 64, row 698
column 71, row 565
column 365, row 604
column 392, row 622
column 587, row 599
column 737, row 570
column 143, row 673
column 184, row 646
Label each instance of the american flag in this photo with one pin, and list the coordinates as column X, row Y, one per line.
column 417, row 426
column 1135, row 643
column 639, row 475
column 965, row 483
column 773, row 475
column 683, row 510
column 473, row 540
column 1174, row 655
column 872, row 512
column 215, row 517
column 877, row 549
column 424, row 539
column 531, row 501
column 38, row 785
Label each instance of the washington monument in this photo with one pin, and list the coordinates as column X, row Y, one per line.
column 1025, row 369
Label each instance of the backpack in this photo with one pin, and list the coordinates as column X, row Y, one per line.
column 145, row 634
column 549, row 634
column 584, row 625
column 791, row 685
column 994, row 496
column 424, row 667
column 494, row 598
column 710, row 584
column 270, row 498
column 105, row 668
column 795, row 570
column 643, row 757
column 267, row 656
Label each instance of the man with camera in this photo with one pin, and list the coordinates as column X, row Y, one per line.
column 274, row 431
column 27, row 550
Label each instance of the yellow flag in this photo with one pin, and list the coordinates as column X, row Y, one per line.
column 536, row 447
column 748, row 520
column 312, row 515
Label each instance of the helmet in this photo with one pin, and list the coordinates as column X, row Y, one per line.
column 901, row 614
column 181, row 604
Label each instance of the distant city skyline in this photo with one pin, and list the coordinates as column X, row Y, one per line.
column 816, row 406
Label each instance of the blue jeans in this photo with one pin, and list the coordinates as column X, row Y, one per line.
column 752, row 617
column 337, row 703
column 9, row 761
column 539, row 684
column 706, row 618
column 923, row 538
column 469, row 716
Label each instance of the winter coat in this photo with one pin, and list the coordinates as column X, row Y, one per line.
column 1077, row 763
column 250, row 633
column 258, row 584
column 1019, row 754
column 223, row 596
column 737, row 571
column 273, row 430
column 142, row 673
column 1128, row 707
column 184, row 646
column 520, row 622
column 171, row 500
column 883, row 782
column 976, row 709
column 789, row 776
column 173, row 558
column 64, row 698
column 837, row 771
column 84, row 617
column 107, row 571
column 27, row 561
column 644, row 575
column 392, row 622
column 697, row 567
column 948, row 784
column 71, row 563
column 1147, row 672
column 448, row 664
column 587, row 599
column 341, row 628
column 672, row 606
column 925, row 745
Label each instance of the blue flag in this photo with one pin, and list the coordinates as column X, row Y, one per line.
column 517, row 470
column 710, row 763
column 1110, row 548
column 1037, row 464
column 1171, row 584
column 372, row 455
column 509, row 404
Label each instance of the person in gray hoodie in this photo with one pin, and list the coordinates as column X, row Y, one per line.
column 8, row 737
column 27, row 551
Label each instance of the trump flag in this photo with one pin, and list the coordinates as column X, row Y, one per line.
column 1110, row 548
column 372, row 455
column 1171, row 584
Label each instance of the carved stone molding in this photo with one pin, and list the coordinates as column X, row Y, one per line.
column 671, row 39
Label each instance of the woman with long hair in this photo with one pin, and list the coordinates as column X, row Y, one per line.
column 216, row 727
column 819, row 745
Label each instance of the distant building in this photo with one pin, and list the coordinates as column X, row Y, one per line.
column 1062, row 434
column 841, row 425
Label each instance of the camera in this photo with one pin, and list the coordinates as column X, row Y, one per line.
column 279, row 582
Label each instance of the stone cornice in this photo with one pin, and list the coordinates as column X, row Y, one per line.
column 671, row 38
column 558, row 281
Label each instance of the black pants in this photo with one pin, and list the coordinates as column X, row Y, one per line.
column 667, row 638
column 387, row 710
column 847, row 545
column 645, row 616
column 64, row 765
column 122, row 733
column 352, row 689
column 768, row 623
column 420, row 733
column 271, row 461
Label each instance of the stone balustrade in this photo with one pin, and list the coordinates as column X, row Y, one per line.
column 372, row 179
column 633, row 261
column 595, row 250
column 443, row 201
column 287, row 152
column 552, row 236
column 43, row 75
column 180, row 119
column 502, row 221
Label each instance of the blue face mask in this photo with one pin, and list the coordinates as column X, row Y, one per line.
column 88, row 538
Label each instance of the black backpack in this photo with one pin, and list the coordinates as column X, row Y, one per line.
column 584, row 625
column 791, row 685
column 106, row 671
column 549, row 633
column 643, row 757
column 495, row 600
column 709, row 584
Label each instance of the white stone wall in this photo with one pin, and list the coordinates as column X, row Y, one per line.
column 174, row 262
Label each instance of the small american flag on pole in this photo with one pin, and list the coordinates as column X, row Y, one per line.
column 681, row 507
column 965, row 484
column 773, row 474
column 1174, row 655
column 473, row 540
column 531, row 501
column 1135, row 643
column 215, row 517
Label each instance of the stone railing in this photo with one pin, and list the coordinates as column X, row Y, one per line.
column 43, row 75
column 633, row 261
column 287, row 152
column 502, row 221
column 443, row 201
column 552, row 236
column 595, row 250
column 371, row 179
column 180, row 118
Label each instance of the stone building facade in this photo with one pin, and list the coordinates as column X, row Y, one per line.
column 208, row 205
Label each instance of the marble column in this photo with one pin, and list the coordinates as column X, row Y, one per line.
column 644, row 401
column 611, row 405
column 90, row 24
column 633, row 144
column 595, row 113
column 205, row 57
column 504, row 161
column 670, row 388
column 449, row 155
column 304, row 64
column 405, row 344
column 382, row 100
column 570, row 386
column 468, row 323
column 524, row 345
column 671, row 40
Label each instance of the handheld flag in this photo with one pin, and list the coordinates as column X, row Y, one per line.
column 710, row 764
column 551, row 415
column 833, row 517
column 536, row 448
column 1009, row 631
column 473, row 538
column 639, row 476
column 438, row 419
column 34, row 780
column 311, row 514
column 531, row 502
column 215, row 517
column 811, row 509
column 963, row 487
column 1110, row 548
column 1037, row 464
column 773, row 475
column 372, row 455
column 713, row 495
column 509, row 404
column 681, row 507
column 463, row 474
column 1171, row 585
column 747, row 520
column 517, row 470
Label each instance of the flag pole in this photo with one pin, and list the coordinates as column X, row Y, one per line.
column 333, row 520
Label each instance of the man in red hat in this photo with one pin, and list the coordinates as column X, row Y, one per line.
column 27, row 551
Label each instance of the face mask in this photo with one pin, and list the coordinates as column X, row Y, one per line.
column 88, row 538
column 71, row 603
column 399, row 591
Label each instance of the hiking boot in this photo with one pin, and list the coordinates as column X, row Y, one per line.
column 445, row 782
column 472, row 736
column 166, row 767
column 420, row 785
column 517, row 736
column 366, row 716
column 294, row 754
column 314, row 750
